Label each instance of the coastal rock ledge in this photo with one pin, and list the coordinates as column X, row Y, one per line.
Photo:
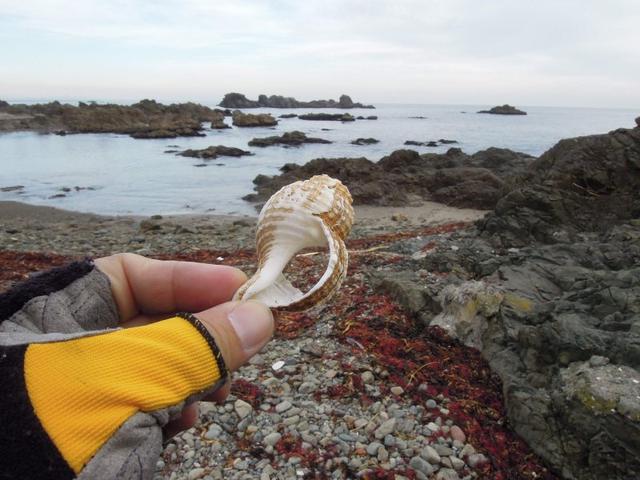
column 238, row 100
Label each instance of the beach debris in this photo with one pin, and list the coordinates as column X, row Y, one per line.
column 311, row 213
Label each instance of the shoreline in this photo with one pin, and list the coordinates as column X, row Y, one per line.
column 25, row 227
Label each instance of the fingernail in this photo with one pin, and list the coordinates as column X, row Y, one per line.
column 253, row 323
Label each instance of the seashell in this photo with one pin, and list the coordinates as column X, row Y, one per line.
column 311, row 213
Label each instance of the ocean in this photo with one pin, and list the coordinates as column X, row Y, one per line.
column 116, row 174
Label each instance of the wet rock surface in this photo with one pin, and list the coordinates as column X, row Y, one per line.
column 295, row 138
column 365, row 141
column 406, row 177
column 145, row 119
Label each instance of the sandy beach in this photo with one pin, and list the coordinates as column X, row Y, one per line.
column 26, row 227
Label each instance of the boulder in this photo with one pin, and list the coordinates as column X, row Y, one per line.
column 250, row 120
column 215, row 152
column 294, row 138
column 580, row 184
column 504, row 110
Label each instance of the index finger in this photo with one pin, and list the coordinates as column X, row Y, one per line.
column 147, row 286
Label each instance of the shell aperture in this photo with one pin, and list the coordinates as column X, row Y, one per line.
column 311, row 213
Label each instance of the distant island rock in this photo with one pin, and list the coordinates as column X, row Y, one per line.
column 504, row 110
column 239, row 100
column 241, row 119
column 212, row 152
column 145, row 119
column 294, row 138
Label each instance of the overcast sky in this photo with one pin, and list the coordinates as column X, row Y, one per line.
column 543, row 52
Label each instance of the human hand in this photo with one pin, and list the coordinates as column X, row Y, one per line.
column 147, row 290
column 97, row 366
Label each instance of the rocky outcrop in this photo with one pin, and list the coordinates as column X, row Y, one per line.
column 547, row 287
column 3, row 104
column 215, row 152
column 294, row 138
column 429, row 143
column 288, row 115
column 238, row 100
column 336, row 117
column 581, row 184
column 145, row 119
column 365, row 141
column 406, row 177
column 504, row 110
column 250, row 120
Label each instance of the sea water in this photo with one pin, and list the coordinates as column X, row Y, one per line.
column 117, row 174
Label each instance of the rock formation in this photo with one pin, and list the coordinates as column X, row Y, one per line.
column 504, row 110
column 145, row 119
column 250, row 120
column 215, row 152
column 238, row 100
column 405, row 177
column 294, row 138
column 547, row 286
column 337, row 117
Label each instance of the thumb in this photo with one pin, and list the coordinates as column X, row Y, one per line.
column 240, row 329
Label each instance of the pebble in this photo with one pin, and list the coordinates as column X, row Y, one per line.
column 397, row 390
column 367, row 377
column 283, row 406
column 196, row 473
column 242, row 408
column 476, row 459
column 431, row 403
column 272, row 438
column 373, row 447
column 421, row 465
column 447, row 474
column 214, row 431
column 430, row 455
column 457, row 434
column 386, row 428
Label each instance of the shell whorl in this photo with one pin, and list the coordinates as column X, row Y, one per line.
column 311, row 213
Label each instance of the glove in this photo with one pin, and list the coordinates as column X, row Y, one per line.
column 84, row 398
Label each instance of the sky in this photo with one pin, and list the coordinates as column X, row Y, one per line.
column 583, row 53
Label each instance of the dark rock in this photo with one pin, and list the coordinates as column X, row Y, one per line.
column 365, row 141
column 372, row 117
column 238, row 100
column 145, row 119
column 340, row 117
column 431, row 144
column 288, row 115
column 402, row 178
column 250, row 120
column 414, row 143
column 12, row 188
column 294, row 138
column 419, row 117
column 219, row 124
column 580, row 184
column 447, row 142
column 58, row 195
column 215, row 152
column 504, row 110
column 4, row 104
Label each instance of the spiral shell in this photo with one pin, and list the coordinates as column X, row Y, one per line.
column 311, row 213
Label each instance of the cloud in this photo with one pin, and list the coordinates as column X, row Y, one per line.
column 410, row 50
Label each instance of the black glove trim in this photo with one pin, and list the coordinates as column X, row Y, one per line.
column 44, row 283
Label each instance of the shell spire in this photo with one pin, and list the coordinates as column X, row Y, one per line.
column 311, row 213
